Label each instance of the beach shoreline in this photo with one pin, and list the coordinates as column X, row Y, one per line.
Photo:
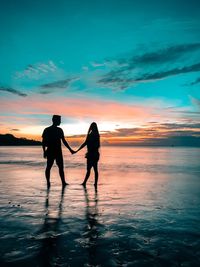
column 139, row 216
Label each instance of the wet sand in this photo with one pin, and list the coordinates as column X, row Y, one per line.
column 137, row 217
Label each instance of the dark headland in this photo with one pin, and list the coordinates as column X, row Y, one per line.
column 11, row 140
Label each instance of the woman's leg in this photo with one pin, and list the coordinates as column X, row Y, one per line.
column 89, row 166
column 95, row 166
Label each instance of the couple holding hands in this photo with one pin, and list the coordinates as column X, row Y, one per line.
column 51, row 143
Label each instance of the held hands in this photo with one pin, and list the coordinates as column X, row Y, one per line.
column 72, row 151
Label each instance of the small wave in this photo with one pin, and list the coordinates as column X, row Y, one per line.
column 19, row 162
column 152, row 168
column 39, row 163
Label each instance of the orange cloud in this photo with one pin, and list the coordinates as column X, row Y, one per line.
column 29, row 115
column 76, row 108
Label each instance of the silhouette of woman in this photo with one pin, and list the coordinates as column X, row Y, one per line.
column 93, row 143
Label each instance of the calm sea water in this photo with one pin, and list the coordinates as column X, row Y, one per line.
column 146, row 211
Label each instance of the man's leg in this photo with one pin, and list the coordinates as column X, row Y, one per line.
column 50, row 161
column 59, row 162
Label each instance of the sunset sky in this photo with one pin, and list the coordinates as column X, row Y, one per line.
column 133, row 66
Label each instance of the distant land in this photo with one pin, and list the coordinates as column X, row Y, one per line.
column 173, row 141
column 11, row 140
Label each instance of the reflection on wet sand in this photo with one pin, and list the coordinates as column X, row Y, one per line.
column 50, row 245
column 145, row 212
column 91, row 233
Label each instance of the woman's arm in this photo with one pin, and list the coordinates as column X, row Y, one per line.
column 84, row 144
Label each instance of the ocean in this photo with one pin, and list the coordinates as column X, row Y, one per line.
column 145, row 212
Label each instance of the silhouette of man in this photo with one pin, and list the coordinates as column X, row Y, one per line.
column 51, row 144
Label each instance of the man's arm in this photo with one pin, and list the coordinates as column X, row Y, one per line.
column 44, row 144
column 44, row 148
column 67, row 145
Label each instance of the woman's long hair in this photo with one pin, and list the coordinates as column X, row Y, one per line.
column 93, row 129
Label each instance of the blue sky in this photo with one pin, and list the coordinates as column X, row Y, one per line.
column 143, row 54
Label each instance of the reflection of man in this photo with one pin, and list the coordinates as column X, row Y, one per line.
column 51, row 144
column 50, row 250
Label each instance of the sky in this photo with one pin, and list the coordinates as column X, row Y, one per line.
column 131, row 66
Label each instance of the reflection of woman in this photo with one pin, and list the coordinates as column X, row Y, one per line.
column 93, row 143
column 91, row 232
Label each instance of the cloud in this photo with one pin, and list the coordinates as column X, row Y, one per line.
column 85, row 68
column 116, row 82
column 150, row 66
column 176, row 126
column 15, row 130
column 195, row 82
column 13, row 91
column 159, row 134
column 57, row 84
column 164, row 74
column 145, row 122
column 123, row 82
column 163, row 55
column 97, row 64
column 81, row 111
column 84, row 109
column 35, row 71
column 61, row 84
column 195, row 102
column 158, row 129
